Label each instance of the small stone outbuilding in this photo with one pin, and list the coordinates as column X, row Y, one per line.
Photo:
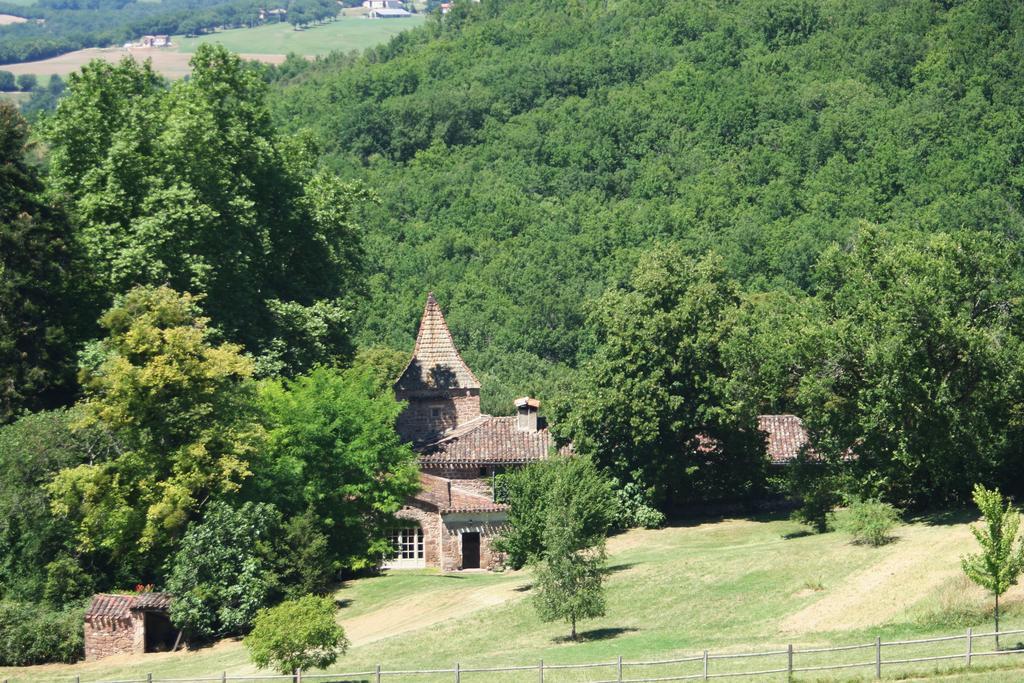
column 128, row 625
column 454, row 518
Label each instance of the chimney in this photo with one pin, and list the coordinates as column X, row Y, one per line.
column 526, row 414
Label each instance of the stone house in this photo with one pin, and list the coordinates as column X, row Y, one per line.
column 454, row 517
column 128, row 625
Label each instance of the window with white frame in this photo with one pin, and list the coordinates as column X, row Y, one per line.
column 408, row 547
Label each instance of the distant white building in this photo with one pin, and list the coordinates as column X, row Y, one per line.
column 388, row 13
column 155, row 41
column 383, row 4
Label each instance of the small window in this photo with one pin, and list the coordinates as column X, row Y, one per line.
column 408, row 543
column 484, row 472
column 435, row 412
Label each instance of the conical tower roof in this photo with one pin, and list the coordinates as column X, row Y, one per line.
column 436, row 364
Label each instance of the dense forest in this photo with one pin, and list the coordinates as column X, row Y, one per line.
column 844, row 162
column 662, row 218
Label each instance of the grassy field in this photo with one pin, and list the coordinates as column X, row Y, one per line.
column 15, row 97
column 268, row 43
column 729, row 586
column 345, row 34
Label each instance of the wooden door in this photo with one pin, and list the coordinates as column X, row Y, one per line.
column 471, row 550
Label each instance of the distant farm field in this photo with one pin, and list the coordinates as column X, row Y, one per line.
column 168, row 62
column 15, row 97
column 345, row 34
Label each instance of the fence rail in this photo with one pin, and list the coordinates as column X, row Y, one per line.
column 703, row 666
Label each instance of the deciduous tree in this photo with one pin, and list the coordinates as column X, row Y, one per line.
column 299, row 634
column 1001, row 560
column 182, row 409
column 333, row 453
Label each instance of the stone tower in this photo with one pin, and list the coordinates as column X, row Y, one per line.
column 442, row 392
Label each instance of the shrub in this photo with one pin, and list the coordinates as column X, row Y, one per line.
column 870, row 521
column 298, row 634
column 225, row 570
column 635, row 509
column 34, row 634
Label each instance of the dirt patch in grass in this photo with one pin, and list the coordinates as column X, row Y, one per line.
column 427, row 609
column 170, row 64
column 904, row 574
column 8, row 19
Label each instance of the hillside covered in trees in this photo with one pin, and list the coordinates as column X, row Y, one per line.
column 853, row 168
column 526, row 152
column 662, row 218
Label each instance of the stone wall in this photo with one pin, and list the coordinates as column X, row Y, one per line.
column 105, row 636
column 427, row 418
column 475, row 479
column 430, row 522
column 488, row 525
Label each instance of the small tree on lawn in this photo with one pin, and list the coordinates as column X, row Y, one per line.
column 1001, row 559
column 295, row 635
column 570, row 573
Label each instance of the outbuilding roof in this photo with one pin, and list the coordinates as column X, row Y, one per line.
column 120, row 606
column 786, row 436
column 436, row 364
column 488, row 441
column 447, row 497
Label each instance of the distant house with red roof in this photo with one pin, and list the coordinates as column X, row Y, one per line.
column 454, row 518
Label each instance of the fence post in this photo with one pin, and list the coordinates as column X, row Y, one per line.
column 619, row 677
column 705, row 665
column 298, row 675
column 149, row 678
column 458, row 673
column 970, row 644
column 789, row 662
column 223, row 677
column 378, row 673
column 878, row 656
column 540, row 668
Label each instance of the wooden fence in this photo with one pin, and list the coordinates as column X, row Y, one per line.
column 821, row 663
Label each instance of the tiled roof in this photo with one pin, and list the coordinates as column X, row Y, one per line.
column 436, row 363
column 447, row 497
column 153, row 601
column 112, row 606
column 488, row 441
column 786, row 436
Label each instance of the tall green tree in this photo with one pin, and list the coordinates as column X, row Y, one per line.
column 182, row 409
column 191, row 185
column 916, row 363
column 570, row 568
column 1001, row 560
column 654, row 405
column 32, row 451
column 333, row 453
column 43, row 285
column 535, row 491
